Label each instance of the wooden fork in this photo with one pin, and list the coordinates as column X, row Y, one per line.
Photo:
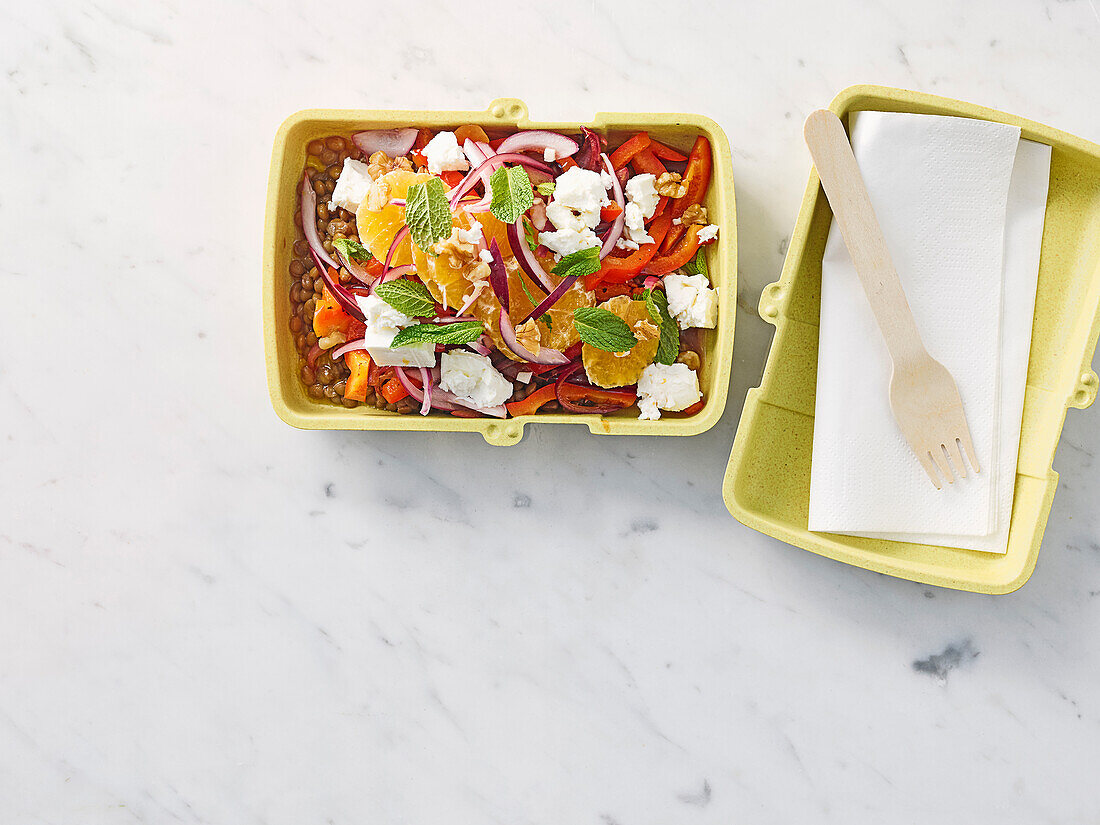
column 923, row 395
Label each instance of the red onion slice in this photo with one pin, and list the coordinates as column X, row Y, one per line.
column 545, row 354
column 652, row 282
column 394, row 142
column 540, row 140
column 350, row 346
column 426, row 383
column 617, row 227
column 397, row 239
column 527, row 260
column 354, row 268
column 309, row 222
column 491, row 164
column 589, row 155
column 552, row 298
column 498, row 275
column 343, row 297
column 443, row 400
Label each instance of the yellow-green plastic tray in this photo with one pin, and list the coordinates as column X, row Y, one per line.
column 288, row 396
column 767, row 482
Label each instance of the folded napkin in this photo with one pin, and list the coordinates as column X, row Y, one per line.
column 961, row 204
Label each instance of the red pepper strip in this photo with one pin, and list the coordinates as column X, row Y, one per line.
column 602, row 401
column 531, row 404
column 696, row 181
column 694, row 408
column 374, row 267
column 610, row 213
column 620, row 270
column 646, row 163
column 423, row 138
column 664, row 152
column 494, row 143
column 679, row 255
column 661, row 204
column 452, row 178
column 622, row 156
column 566, row 163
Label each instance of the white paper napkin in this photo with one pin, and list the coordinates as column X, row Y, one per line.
column 1024, row 218
column 939, row 186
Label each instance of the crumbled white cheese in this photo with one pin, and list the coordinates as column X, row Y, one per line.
column 486, row 256
column 642, row 190
column 608, row 180
column 443, row 154
column 669, row 387
column 549, row 155
column 472, row 235
column 580, row 191
column 564, row 218
column 691, row 301
column 473, row 378
column 352, row 186
column 624, row 243
column 567, row 241
column 383, row 322
column 708, row 233
column 524, row 377
column 634, row 227
column 642, row 198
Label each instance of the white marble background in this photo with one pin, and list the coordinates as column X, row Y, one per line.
column 209, row 617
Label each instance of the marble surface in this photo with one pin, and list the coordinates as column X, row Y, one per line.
column 209, row 617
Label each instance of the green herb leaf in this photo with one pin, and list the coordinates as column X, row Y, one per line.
column 603, row 329
column 531, row 235
column 546, row 189
column 409, row 297
column 669, row 347
column 697, row 265
column 461, row 333
column 353, row 250
column 578, row 264
column 428, row 213
column 512, row 194
column 545, row 318
column 526, row 291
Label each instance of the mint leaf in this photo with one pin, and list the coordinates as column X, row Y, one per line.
column 353, row 250
column 603, row 329
column 461, row 333
column 531, row 235
column 428, row 213
column 409, row 297
column 526, row 291
column 545, row 318
column 669, row 347
column 512, row 194
column 578, row 264
column 546, row 189
column 697, row 265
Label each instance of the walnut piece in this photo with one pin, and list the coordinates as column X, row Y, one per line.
column 671, row 185
column 689, row 357
column 527, row 334
column 380, row 163
column 694, row 214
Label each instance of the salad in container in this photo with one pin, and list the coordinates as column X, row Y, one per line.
column 454, row 273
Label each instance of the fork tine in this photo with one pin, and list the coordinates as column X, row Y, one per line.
column 968, row 446
column 930, row 468
column 955, row 455
column 942, row 465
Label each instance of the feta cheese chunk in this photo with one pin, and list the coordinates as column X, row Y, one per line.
column 671, row 387
column 486, row 256
column 443, row 154
column 472, row 235
column 566, row 241
column 641, row 203
column 473, row 378
column 352, row 186
column 691, row 301
column 383, row 322
column 579, row 191
column 708, row 233
column 549, row 154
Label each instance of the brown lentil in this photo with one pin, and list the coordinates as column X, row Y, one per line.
column 335, row 143
column 327, row 156
column 315, row 147
column 297, row 269
column 296, row 324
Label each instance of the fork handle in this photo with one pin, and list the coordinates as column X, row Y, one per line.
column 851, row 205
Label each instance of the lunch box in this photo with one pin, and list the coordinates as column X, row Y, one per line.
column 767, row 481
column 288, row 395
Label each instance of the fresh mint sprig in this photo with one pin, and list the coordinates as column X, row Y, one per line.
column 512, row 195
column 603, row 329
column 427, row 212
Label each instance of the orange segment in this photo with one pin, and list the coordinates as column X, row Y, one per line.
column 609, row 369
column 377, row 229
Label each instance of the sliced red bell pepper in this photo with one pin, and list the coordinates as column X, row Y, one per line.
column 329, row 317
column 665, row 152
column 531, row 404
column 679, row 255
column 566, row 163
column 393, row 390
column 694, row 408
column 696, row 181
column 622, row 156
column 610, row 213
column 620, row 270
column 645, row 162
column 452, row 178
column 358, row 361
column 423, row 138
column 595, row 396
column 661, row 204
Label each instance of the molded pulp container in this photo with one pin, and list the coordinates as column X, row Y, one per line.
column 767, row 482
column 289, row 397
